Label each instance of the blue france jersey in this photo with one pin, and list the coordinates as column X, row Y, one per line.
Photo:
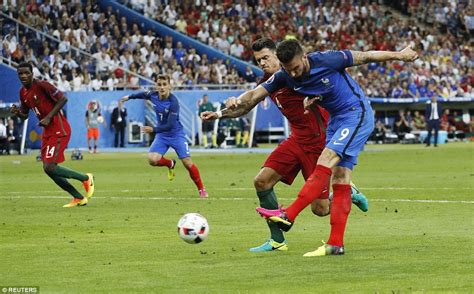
column 327, row 79
column 167, row 112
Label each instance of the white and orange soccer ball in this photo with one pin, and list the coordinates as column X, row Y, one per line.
column 193, row 228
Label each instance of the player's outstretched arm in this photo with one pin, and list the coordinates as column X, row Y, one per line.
column 124, row 98
column 407, row 55
column 241, row 105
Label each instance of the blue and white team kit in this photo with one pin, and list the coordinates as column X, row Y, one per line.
column 169, row 130
column 352, row 119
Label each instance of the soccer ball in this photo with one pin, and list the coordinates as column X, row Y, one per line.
column 193, row 228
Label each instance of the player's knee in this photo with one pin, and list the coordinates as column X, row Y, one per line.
column 153, row 159
column 340, row 177
column 261, row 183
column 187, row 163
column 320, row 208
column 48, row 168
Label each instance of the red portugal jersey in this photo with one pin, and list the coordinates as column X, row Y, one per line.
column 307, row 129
column 41, row 98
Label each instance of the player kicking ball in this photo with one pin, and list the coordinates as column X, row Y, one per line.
column 322, row 77
column 47, row 102
column 169, row 132
column 299, row 152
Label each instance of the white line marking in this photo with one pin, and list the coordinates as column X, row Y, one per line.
column 227, row 199
column 243, row 189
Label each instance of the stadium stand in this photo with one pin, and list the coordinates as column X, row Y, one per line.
column 80, row 46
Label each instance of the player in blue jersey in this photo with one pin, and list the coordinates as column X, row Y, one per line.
column 169, row 131
column 323, row 78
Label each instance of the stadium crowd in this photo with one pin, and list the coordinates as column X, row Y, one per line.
column 444, row 69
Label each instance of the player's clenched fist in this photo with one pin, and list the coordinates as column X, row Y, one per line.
column 232, row 102
column 408, row 54
column 147, row 129
column 209, row 115
column 124, row 98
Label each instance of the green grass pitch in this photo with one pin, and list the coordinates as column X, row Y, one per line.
column 416, row 237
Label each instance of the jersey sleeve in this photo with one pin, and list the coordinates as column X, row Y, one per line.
column 172, row 118
column 275, row 82
column 338, row 60
column 51, row 91
column 141, row 95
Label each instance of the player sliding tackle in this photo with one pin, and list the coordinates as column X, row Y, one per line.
column 169, row 132
column 299, row 152
column 322, row 77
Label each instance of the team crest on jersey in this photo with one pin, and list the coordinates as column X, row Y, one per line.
column 36, row 100
column 325, row 82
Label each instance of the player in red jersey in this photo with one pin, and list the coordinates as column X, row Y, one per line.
column 46, row 101
column 300, row 151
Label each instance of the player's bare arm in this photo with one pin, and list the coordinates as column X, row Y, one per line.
column 239, row 106
column 124, row 98
column 407, row 55
column 15, row 110
column 245, row 102
column 57, row 107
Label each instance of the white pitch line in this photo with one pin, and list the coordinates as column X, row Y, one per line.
column 243, row 189
column 229, row 199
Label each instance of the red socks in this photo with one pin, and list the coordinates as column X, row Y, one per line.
column 164, row 162
column 194, row 174
column 317, row 185
column 340, row 208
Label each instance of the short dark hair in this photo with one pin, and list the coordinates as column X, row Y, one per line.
column 263, row 43
column 163, row 78
column 288, row 49
column 25, row 64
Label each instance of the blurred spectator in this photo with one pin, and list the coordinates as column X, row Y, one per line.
column 3, row 138
column 207, row 127
column 378, row 135
column 432, row 116
column 418, row 123
column 13, row 137
column 119, row 123
column 93, row 119
column 401, row 126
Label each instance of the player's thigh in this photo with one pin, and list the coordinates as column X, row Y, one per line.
column 181, row 146
column 90, row 133
column 96, row 133
column 284, row 160
column 52, row 149
column 350, row 135
column 308, row 161
column 159, row 145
